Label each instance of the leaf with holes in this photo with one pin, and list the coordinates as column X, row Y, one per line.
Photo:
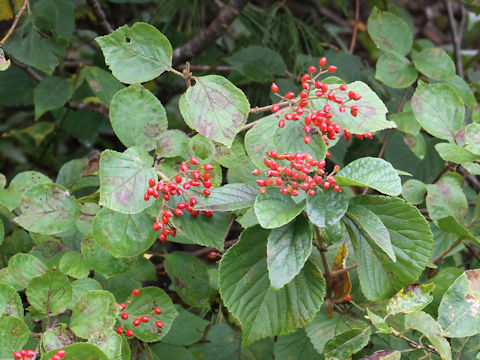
column 215, row 108
column 413, row 297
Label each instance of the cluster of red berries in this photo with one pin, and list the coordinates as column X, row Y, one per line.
column 30, row 354
column 58, row 355
column 303, row 172
column 179, row 185
column 317, row 121
column 143, row 319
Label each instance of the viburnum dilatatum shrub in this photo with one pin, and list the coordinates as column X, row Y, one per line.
column 274, row 188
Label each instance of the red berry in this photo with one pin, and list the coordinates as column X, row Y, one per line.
column 208, row 213
column 17, row 355
column 157, row 311
column 129, row 333
column 123, row 306
column 178, row 212
column 290, row 95
column 184, row 167
column 275, row 108
column 144, row 318
column 207, row 183
column 306, row 139
column 124, row 316
column 151, row 182
column 136, row 292
column 336, row 188
column 212, row 255
column 61, row 353
column 146, row 197
column 332, row 68
column 323, row 61
column 312, row 69
column 119, row 331
column 343, row 87
column 326, row 185
column 256, row 172
column 23, row 352
column 208, row 167
column 281, row 123
column 348, row 298
column 193, row 201
column 311, row 192
column 55, row 357
column 136, row 322
column 305, row 77
column 159, row 324
column 206, row 192
column 193, row 160
column 274, row 87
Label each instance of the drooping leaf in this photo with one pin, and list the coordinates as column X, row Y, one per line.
column 150, row 298
column 389, row 32
column 95, row 311
column 395, row 71
column 50, row 293
column 439, row 110
column 274, row 209
column 343, row 345
column 424, row 323
column 372, row 172
column 123, row 235
column 215, row 108
column 459, row 310
column 246, row 291
column 47, row 209
column 229, row 197
column 288, row 248
column 137, row 116
column 413, row 297
column 434, row 63
column 51, row 93
column 124, row 179
column 378, row 322
column 136, row 54
column 326, row 207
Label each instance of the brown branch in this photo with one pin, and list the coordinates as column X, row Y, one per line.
column 344, row 270
column 32, row 73
column 323, row 253
column 471, row 179
column 210, row 34
column 446, row 251
column 100, row 15
column 457, row 35
column 355, row 26
column 473, row 251
column 15, row 22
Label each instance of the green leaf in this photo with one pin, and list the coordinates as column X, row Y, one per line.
column 136, row 54
column 288, row 249
column 289, row 139
column 414, row 191
column 389, row 32
column 259, row 140
column 424, row 323
column 439, row 110
column 78, row 351
column 171, row 143
column 246, row 291
column 413, row 297
column 137, row 117
column 373, row 229
column 50, row 94
column 124, row 179
column 215, row 108
column 472, row 138
column 24, row 267
column 26, row 179
column 294, row 346
column 50, row 293
column 58, row 14
column 102, row 83
column 384, row 355
column 455, row 153
column 412, row 243
column 2, row 232
column 73, row 264
column 57, row 337
column 274, row 209
column 150, row 298
column 326, row 207
column 14, row 334
column 371, row 111
column 101, row 260
column 113, row 345
column 47, row 209
column 378, row 322
column 257, row 63
column 123, row 235
column 224, row 343
column 81, row 286
column 395, row 71
column 406, row 122
column 189, row 275
column 229, row 197
column 4, row 63
column 10, row 302
column 372, row 172
column 95, row 311
column 459, row 313
column 187, row 328
column 344, row 345
column 434, row 63
column 463, row 89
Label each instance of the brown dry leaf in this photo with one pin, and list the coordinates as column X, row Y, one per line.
column 341, row 284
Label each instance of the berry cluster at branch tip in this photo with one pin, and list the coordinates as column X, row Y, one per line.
column 317, row 121
column 30, row 354
column 191, row 180
column 136, row 322
column 294, row 173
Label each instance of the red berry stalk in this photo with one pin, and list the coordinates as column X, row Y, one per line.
column 294, row 173
column 142, row 319
column 192, row 181
column 317, row 121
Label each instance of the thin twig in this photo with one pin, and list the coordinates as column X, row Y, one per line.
column 472, row 250
column 355, row 26
column 100, row 15
column 323, row 253
column 413, row 344
column 335, row 273
column 457, row 35
column 472, row 179
column 32, row 73
column 446, row 251
column 15, row 22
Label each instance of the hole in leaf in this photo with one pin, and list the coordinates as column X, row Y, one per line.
column 127, row 39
